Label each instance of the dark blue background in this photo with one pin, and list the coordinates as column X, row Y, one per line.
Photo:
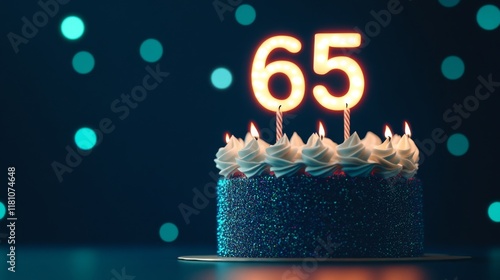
column 135, row 179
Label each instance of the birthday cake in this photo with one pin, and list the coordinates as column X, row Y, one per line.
column 319, row 199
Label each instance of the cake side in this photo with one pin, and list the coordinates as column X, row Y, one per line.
column 306, row 216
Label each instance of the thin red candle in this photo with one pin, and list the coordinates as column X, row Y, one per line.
column 279, row 124
column 347, row 122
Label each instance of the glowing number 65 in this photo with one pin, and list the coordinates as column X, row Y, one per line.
column 322, row 64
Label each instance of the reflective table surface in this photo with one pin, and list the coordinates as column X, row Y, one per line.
column 138, row 263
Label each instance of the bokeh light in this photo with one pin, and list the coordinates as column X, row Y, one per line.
column 85, row 138
column 245, row 14
column 452, row 67
column 83, row 62
column 72, row 27
column 169, row 232
column 3, row 210
column 494, row 212
column 488, row 17
column 221, row 78
column 457, row 144
column 151, row 50
column 449, row 3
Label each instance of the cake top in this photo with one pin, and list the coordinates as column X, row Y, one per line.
column 320, row 156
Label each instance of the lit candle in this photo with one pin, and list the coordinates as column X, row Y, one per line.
column 347, row 122
column 414, row 147
column 321, row 131
column 388, row 132
column 408, row 153
column 279, row 124
column 253, row 131
column 227, row 137
column 407, row 129
column 322, row 137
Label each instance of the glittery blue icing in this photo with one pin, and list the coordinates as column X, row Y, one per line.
column 303, row 216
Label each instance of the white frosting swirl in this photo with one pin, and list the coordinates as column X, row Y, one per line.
column 395, row 140
column 406, row 153
column 248, row 138
column 371, row 140
column 225, row 159
column 416, row 153
column 296, row 141
column 283, row 156
column 251, row 158
column 354, row 157
column 319, row 156
column 386, row 159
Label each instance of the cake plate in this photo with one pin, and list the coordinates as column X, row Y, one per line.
column 425, row 257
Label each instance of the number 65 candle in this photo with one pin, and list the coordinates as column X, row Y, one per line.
column 322, row 64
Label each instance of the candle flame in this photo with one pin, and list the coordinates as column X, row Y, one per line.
column 321, row 130
column 253, row 130
column 227, row 138
column 407, row 129
column 388, row 132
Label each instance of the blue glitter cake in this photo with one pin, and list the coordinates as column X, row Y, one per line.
column 320, row 199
